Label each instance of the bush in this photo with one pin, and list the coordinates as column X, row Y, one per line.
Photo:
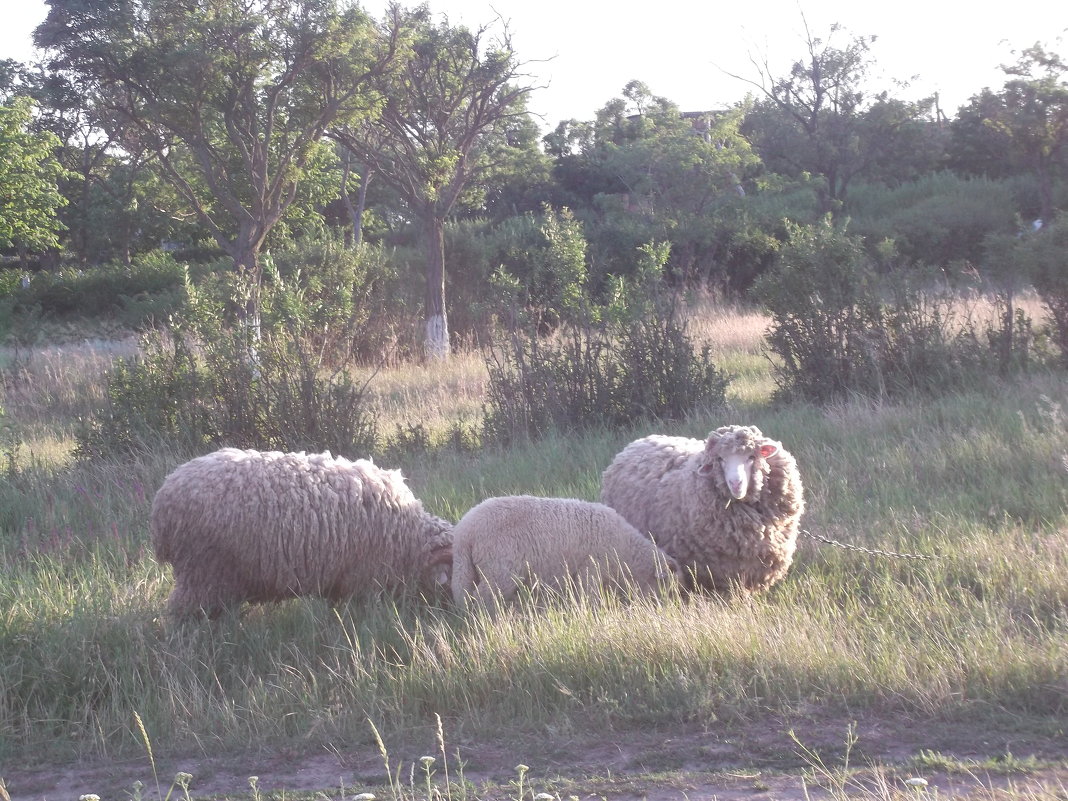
column 152, row 286
column 838, row 328
column 287, row 385
column 935, row 220
column 1044, row 256
column 613, row 366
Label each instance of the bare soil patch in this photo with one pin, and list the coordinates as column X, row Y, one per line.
column 727, row 761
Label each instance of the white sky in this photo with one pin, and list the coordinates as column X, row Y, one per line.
column 586, row 51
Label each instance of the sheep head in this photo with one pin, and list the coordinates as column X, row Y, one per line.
column 437, row 569
column 736, row 460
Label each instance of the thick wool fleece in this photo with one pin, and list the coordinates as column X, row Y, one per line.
column 509, row 542
column 720, row 543
column 244, row 525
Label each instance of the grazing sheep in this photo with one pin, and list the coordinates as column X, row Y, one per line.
column 244, row 525
column 520, row 540
column 726, row 508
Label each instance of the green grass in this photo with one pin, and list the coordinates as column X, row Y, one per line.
column 976, row 637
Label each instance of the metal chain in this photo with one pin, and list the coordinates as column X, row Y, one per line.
column 873, row 551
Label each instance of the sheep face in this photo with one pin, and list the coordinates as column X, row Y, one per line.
column 438, row 574
column 735, row 459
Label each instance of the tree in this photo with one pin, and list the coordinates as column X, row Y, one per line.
column 977, row 148
column 644, row 171
column 1034, row 116
column 818, row 118
column 231, row 96
column 446, row 113
column 29, row 176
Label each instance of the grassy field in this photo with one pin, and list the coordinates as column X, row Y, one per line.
column 963, row 653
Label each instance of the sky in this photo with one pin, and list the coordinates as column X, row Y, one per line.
column 581, row 53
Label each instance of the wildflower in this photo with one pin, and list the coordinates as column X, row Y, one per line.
column 916, row 782
column 545, row 797
column 364, row 797
column 253, row 781
column 89, row 797
column 182, row 779
column 427, row 761
column 521, row 768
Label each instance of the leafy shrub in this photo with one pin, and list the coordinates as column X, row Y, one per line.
column 540, row 258
column 354, row 302
column 153, row 284
column 630, row 361
column 935, row 220
column 826, row 316
column 288, row 384
column 1044, row 256
column 838, row 328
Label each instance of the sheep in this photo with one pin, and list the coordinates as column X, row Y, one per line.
column 726, row 508
column 245, row 525
column 505, row 543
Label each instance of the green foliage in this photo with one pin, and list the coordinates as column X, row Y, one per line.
column 533, row 265
column 936, row 220
column 645, row 171
column 1043, row 256
column 352, row 303
column 146, row 291
column 820, row 120
column 29, row 178
column 838, row 329
column 544, row 277
column 237, row 95
column 288, row 385
column 632, row 360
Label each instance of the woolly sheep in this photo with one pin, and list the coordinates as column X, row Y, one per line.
column 727, row 508
column 244, row 525
column 519, row 540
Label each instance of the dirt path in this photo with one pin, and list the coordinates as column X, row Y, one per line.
column 753, row 761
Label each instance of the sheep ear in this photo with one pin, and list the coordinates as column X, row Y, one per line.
column 706, row 469
column 769, row 449
column 442, row 555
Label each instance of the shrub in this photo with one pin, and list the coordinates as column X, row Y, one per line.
column 826, row 316
column 937, row 220
column 151, row 286
column 1044, row 256
column 839, row 328
column 615, row 365
column 288, row 385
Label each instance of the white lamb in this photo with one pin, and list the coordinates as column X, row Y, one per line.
column 517, row 541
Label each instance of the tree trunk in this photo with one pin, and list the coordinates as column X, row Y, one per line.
column 1045, row 193
column 355, row 212
column 437, row 329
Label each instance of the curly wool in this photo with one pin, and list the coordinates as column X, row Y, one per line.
column 722, row 543
column 508, row 542
column 244, row 525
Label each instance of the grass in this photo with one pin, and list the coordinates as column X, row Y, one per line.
column 973, row 639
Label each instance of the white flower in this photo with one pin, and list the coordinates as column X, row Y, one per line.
column 89, row 797
column 364, row 797
column 545, row 797
column 916, row 781
column 427, row 761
